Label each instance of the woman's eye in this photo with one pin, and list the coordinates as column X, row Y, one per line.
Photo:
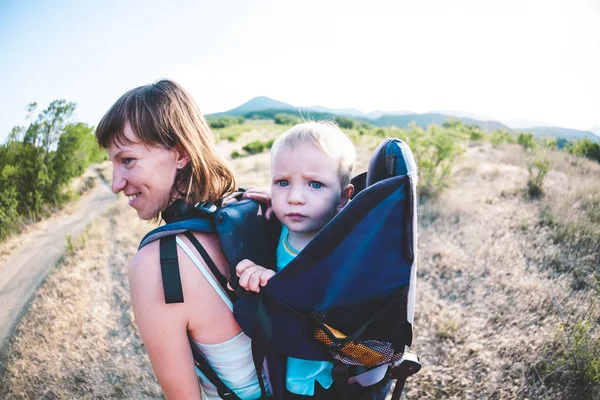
column 283, row 183
column 315, row 185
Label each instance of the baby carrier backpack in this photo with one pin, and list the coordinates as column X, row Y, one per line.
column 349, row 295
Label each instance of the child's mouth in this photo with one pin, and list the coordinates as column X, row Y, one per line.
column 296, row 217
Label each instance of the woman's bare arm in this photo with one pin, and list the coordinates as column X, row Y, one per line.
column 163, row 327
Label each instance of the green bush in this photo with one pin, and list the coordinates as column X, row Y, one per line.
column 435, row 151
column 235, row 154
column 224, row 121
column 344, row 122
column 254, row 147
column 550, row 143
column 526, row 140
column 286, row 119
column 538, row 169
column 499, row 137
column 585, row 148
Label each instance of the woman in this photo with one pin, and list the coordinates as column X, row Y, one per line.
column 163, row 150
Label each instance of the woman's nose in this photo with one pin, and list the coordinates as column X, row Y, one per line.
column 118, row 181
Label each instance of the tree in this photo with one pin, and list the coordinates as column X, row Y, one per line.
column 76, row 150
column 344, row 122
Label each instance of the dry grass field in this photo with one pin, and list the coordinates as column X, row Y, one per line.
column 506, row 301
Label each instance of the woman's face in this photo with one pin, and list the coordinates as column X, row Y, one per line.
column 145, row 173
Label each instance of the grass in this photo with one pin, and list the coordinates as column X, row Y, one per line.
column 78, row 339
column 506, row 303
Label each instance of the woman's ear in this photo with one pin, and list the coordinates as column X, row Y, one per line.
column 182, row 156
column 345, row 197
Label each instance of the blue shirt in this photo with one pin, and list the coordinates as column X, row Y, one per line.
column 301, row 374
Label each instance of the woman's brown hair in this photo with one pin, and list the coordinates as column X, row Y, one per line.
column 164, row 114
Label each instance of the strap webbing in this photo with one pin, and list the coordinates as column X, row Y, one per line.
column 261, row 339
column 169, row 268
column 400, row 382
column 211, row 265
column 202, row 364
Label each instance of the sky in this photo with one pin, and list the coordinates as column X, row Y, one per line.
column 507, row 59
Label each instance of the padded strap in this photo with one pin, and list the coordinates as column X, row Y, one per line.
column 169, row 268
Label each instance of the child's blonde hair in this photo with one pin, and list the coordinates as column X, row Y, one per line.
column 328, row 137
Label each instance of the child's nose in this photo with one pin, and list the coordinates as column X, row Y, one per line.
column 296, row 195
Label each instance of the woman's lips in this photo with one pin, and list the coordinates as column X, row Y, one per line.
column 133, row 198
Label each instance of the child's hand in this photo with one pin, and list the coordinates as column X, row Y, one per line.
column 262, row 195
column 252, row 276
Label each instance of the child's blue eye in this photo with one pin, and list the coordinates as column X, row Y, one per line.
column 315, row 185
column 283, row 183
column 127, row 160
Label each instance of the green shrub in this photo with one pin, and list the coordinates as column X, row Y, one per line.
column 526, row 140
column 475, row 133
column 537, row 169
column 344, row 122
column 235, row 154
column 500, row 137
column 269, row 143
column 254, row 147
column 224, row 121
column 435, row 151
column 286, row 119
column 585, row 148
column 550, row 143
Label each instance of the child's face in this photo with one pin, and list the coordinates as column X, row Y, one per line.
column 305, row 188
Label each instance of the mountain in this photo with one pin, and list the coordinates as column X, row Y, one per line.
column 265, row 107
column 354, row 113
column 462, row 114
column 423, row 120
column 524, row 123
column 566, row 133
column 257, row 104
column 378, row 113
column 595, row 130
column 347, row 112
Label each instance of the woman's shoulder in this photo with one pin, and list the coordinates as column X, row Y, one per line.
column 145, row 265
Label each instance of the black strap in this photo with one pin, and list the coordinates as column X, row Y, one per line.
column 339, row 375
column 261, row 339
column 169, row 268
column 211, row 265
column 400, row 382
column 202, row 364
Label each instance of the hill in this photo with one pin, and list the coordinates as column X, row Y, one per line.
column 267, row 107
column 257, row 104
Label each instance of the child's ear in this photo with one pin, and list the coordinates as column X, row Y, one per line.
column 183, row 158
column 345, row 197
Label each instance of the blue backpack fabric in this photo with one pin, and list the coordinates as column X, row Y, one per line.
column 348, row 297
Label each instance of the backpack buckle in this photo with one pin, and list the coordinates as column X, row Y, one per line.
column 205, row 207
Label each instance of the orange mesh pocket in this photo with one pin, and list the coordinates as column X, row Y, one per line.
column 369, row 353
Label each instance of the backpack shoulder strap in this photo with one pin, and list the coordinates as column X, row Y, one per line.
column 202, row 364
column 169, row 268
column 211, row 265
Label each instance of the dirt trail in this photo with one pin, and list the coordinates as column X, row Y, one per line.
column 27, row 266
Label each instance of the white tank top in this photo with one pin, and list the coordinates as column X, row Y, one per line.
column 231, row 359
